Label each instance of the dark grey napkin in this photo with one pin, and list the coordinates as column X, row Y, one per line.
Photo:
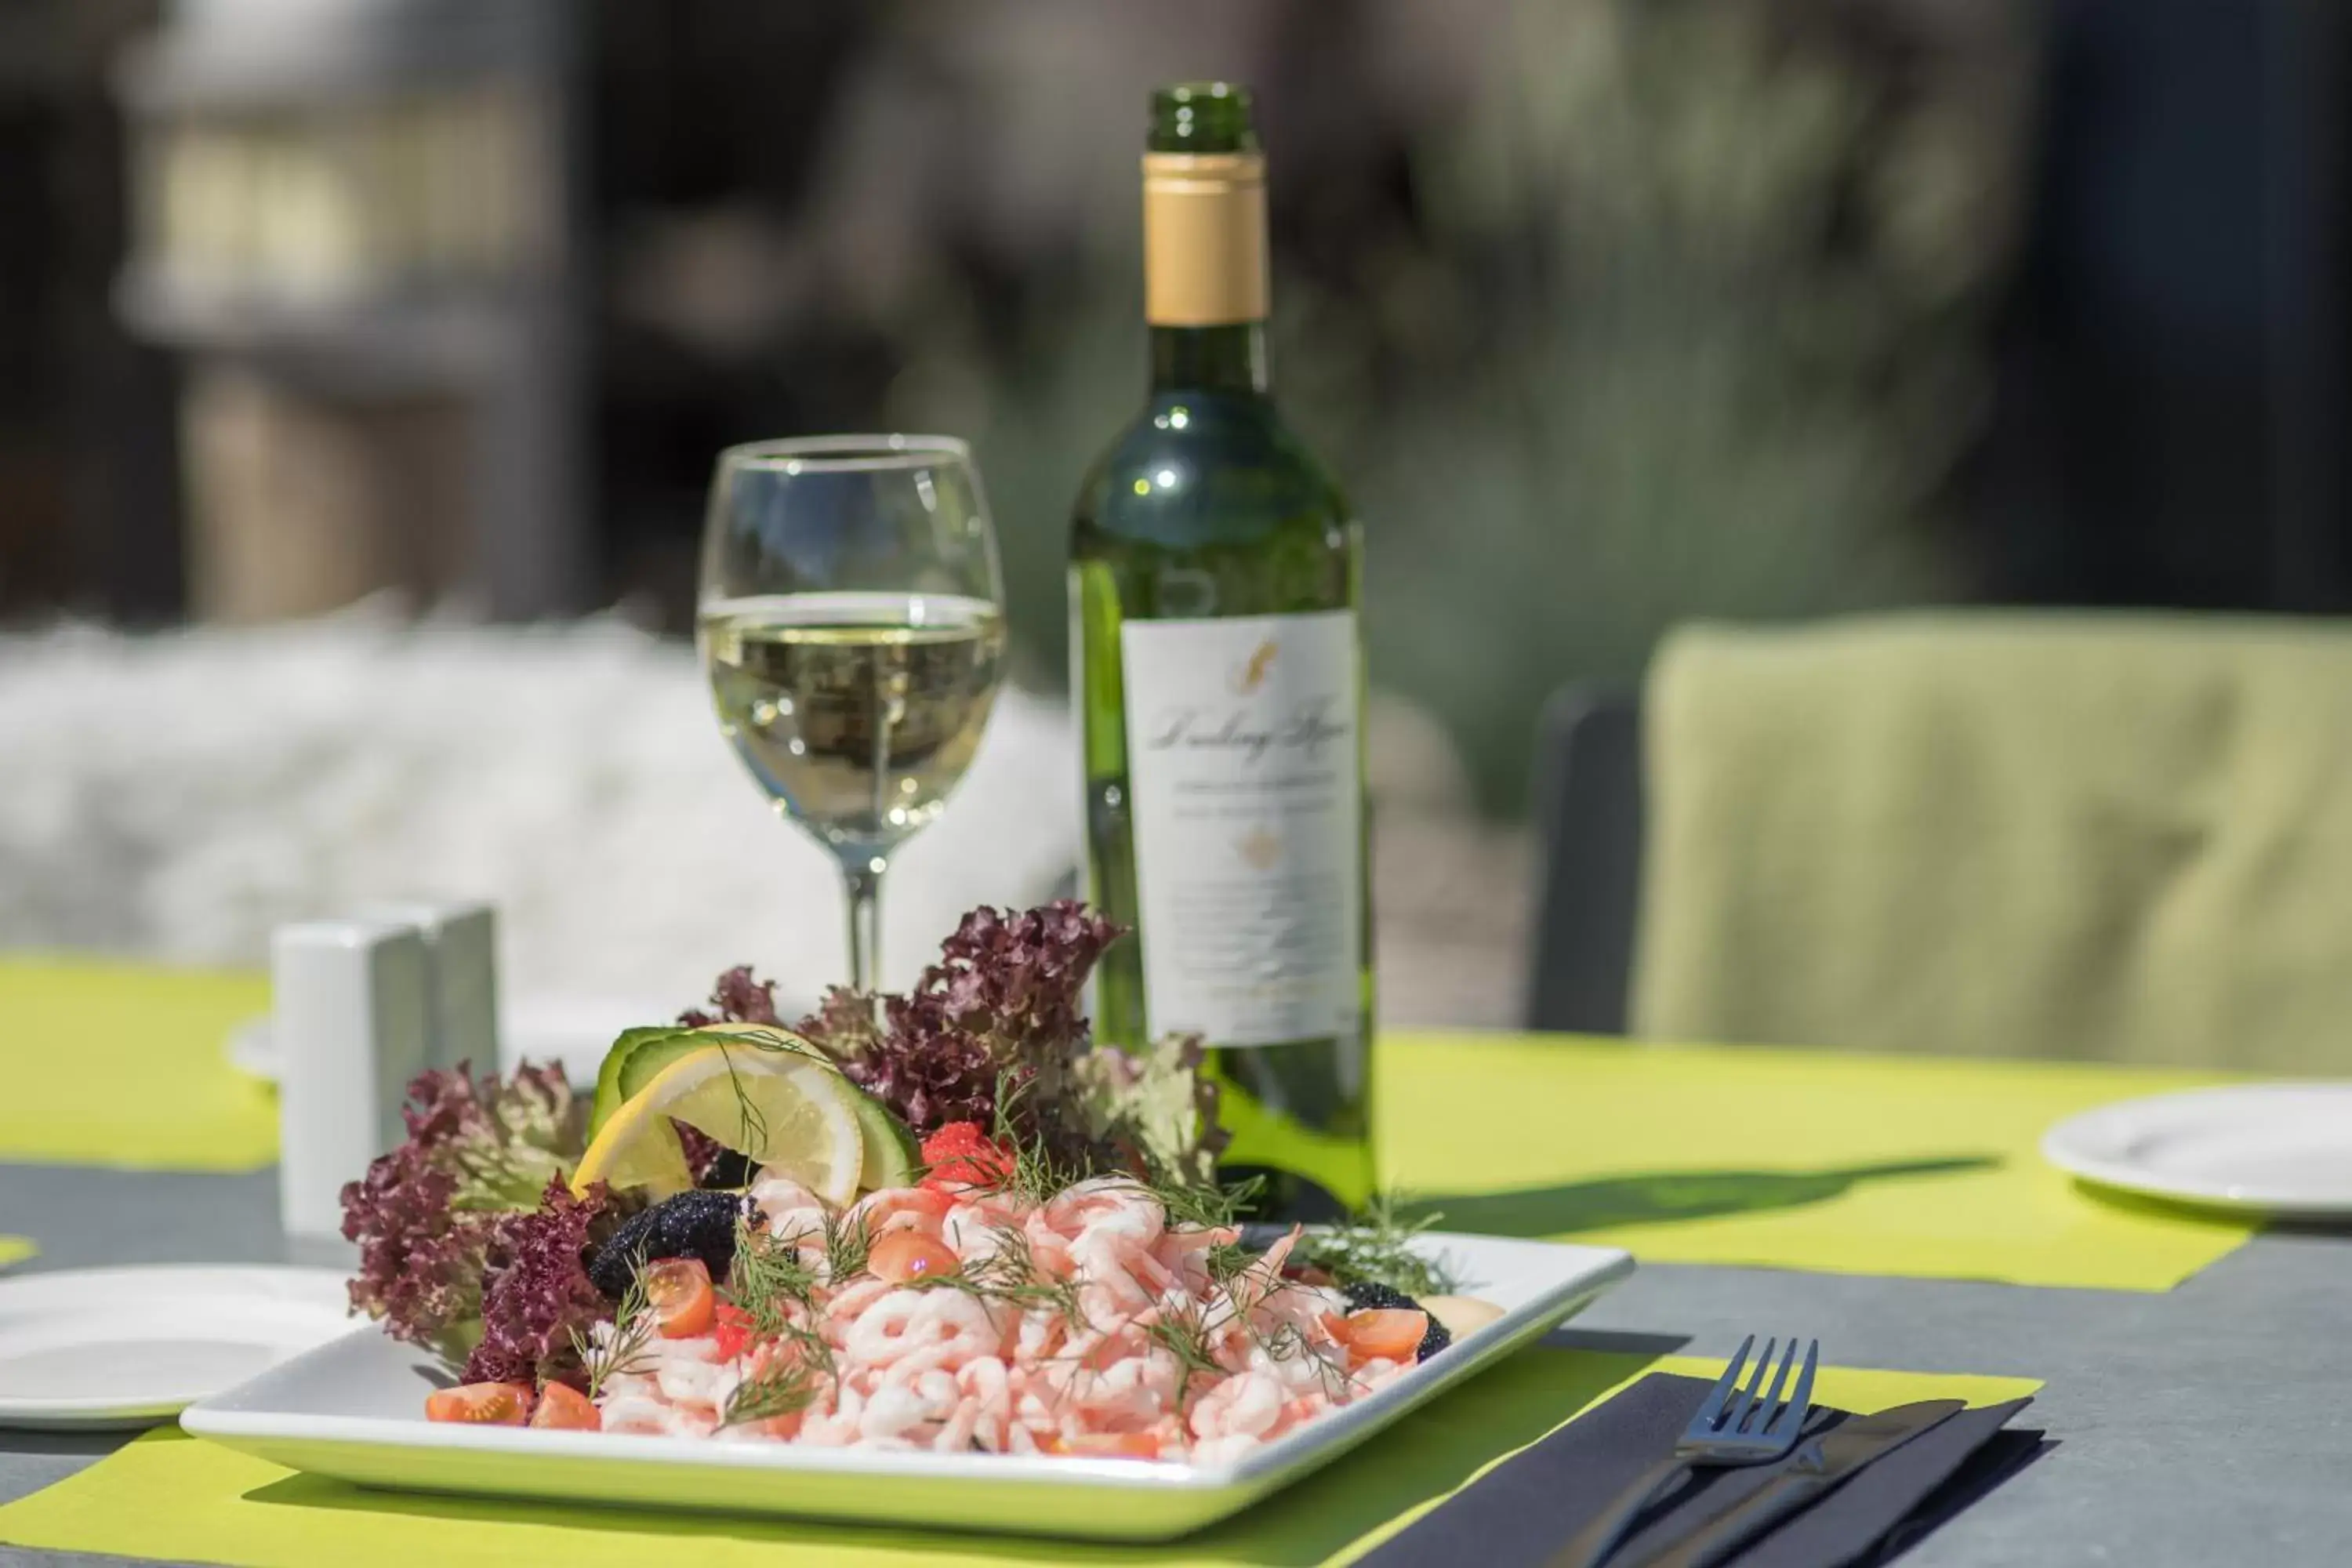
column 1524, row 1509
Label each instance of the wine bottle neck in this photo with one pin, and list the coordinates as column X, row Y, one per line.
column 1229, row 358
column 1206, row 292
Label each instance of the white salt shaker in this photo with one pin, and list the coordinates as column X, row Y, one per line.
column 461, row 978
column 349, row 1006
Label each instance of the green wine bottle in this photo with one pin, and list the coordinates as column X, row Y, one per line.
column 1215, row 575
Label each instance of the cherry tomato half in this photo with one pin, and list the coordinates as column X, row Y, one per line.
column 563, row 1406
column 905, row 1255
column 481, row 1404
column 678, row 1288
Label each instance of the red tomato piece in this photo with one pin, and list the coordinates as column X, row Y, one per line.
column 678, row 1288
column 733, row 1331
column 481, row 1404
column 563, row 1406
column 905, row 1255
column 1381, row 1333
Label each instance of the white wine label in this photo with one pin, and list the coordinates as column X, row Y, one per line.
column 1242, row 756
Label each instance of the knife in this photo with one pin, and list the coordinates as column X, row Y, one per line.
column 1819, row 1465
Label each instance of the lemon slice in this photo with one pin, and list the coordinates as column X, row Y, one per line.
column 640, row 1055
column 783, row 1109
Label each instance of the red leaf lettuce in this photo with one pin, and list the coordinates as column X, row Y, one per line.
column 425, row 1215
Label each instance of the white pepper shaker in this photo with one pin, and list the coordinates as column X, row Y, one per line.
column 349, row 1005
column 461, row 977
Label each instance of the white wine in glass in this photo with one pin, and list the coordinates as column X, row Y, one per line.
column 850, row 626
column 857, row 712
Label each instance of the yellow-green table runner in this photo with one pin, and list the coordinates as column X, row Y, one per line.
column 1819, row 1161
column 171, row 1496
column 122, row 1064
column 1740, row 1155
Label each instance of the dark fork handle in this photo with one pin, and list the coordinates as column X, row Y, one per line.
column 1597, row 1539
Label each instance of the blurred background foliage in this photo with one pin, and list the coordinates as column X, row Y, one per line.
column 1608, row 312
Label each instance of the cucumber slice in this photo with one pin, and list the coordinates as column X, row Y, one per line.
column 645, row 1063
column 770, row 1036
column 891, row 1152
column 610, row 1092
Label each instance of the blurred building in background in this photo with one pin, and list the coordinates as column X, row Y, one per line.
column 1611, row 313
column 352, row 222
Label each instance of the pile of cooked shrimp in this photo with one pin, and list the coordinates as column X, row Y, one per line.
column 1090, row 1322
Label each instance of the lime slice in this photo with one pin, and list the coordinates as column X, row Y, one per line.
column 785, row 1112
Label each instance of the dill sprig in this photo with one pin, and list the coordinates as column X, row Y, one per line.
column 1286, row 1339
column 1034, row 1172
column 1188, row 1331
column 1227, row 1260
column 1204, row 1206
column 767, row 1279
column 1249, row 1284
column 1012, row 1275
column 800, row 1361
column 623, row 1349
column 1375, row 1247
column 755, row 1120
column 1288, row 1342
column 1037, row 1173
column 848, row 1244
column 1183, row 1333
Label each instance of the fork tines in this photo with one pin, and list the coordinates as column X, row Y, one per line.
column 1724, row 1417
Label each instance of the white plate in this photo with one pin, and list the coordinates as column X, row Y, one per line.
column 550, row 1025
column 355, row 1409
column 2271, row 1148
column 129, row 1347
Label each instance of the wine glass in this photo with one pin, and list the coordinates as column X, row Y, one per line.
column 849, row 620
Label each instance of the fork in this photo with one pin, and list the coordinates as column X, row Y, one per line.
column 1728, row 1431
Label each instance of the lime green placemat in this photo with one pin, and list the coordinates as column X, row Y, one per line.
column 118, row 1065
column 1921, row 1166
column 168, row 1495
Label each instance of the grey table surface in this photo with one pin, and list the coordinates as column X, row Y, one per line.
column 2204, row 1425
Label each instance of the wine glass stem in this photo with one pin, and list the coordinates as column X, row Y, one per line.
column 864, row 881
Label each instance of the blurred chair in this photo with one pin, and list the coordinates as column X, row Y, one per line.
column 2124, row 837
column 1588, row 812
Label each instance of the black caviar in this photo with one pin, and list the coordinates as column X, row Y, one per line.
column 691, row 1225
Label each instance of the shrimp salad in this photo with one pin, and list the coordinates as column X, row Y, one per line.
column 946, row 1220
column 955, row 1319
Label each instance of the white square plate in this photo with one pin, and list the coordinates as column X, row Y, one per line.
column 355, row 1409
